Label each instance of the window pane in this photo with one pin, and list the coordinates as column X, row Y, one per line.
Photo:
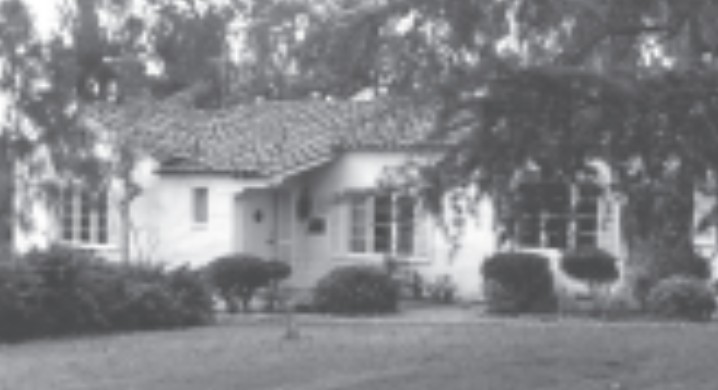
column 357, row 224
column 101, row 212
column 529, row 199
column 586, row 240
column 382, row 238
column 529, row 231
column 556, row 198
column 405, row 210
column 383, row 215
column 586, row 225
column 201, row 205
column 557, row 232
column 382, row 209
column 405, row 241
column 85, row 217
column 405, row 225
column 67, row 213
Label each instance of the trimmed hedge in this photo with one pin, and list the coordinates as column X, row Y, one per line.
column 63, row 291
column 356, row 289
column 240, row 275
column 590, row 265
column 681, row 297
column 518, row 282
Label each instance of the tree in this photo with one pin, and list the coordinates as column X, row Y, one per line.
column 100, row 54
column 15, row 39
column 553, row 86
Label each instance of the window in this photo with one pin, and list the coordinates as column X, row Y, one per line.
column 200, row 205
column 84, row 216
column 557, row 215
column 382, row 224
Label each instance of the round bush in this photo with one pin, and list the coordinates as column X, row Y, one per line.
column 591, row 265
column 518, row 282
column 277, row 270
column 681, row 297
column 238, row 276
column 683, row 263
column 356, row 290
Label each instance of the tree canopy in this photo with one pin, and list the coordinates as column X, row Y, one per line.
column 546, row 85
column 552, row 86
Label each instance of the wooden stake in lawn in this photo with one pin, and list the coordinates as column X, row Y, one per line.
column 291, row 330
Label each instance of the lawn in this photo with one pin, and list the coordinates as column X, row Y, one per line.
column 370, row 354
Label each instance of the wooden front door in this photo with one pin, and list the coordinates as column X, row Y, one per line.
column 256, row 223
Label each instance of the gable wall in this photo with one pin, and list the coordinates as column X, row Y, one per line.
column 163, row 218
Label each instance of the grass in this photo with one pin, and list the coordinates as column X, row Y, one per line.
column 357, row 354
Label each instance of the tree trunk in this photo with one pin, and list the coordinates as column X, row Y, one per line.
column 7, row 204
column 125, row 230
column 230, row 301
column 659, row 232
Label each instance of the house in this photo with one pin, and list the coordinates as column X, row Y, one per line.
column 299, row 181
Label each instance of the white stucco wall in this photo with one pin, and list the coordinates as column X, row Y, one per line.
column 164, row 231
column 163, row 227
column 317, row 254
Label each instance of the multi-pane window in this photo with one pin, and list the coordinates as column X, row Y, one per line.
column 200, row 205
column 383, row 223
column 84, row 216
column 557, row 215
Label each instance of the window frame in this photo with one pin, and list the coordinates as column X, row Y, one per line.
column 200, row 204
column 571, row 217
column 84, row 218
column 367, row 203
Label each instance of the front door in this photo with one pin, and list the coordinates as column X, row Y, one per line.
column 257, row 223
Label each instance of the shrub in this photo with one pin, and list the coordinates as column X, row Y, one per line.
column 442, row 289
column 61, row 291
column 276, row 272
column 681, row 297
column 74, row 290
column 21, row 313
column 193, row 296
column 356, row 289
column 518, row 283
column 153, row 298
column 241, row 275
column 663, row 266
column 590, row 265
column 692, row 264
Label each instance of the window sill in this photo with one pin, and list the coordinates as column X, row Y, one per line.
column 89, row 246
column 198, row 227
column 378, row 258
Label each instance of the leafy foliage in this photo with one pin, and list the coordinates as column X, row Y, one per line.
column 356, row 290
column 592, row 265
column 552, row 86
column 442, row 289
column 664, row 265
column 64, row 291
column 518, row 282
column 21, row 308
column 276, row 272
column 241, row 275
column 682, row 297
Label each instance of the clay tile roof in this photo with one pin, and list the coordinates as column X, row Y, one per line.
column 265, row 138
